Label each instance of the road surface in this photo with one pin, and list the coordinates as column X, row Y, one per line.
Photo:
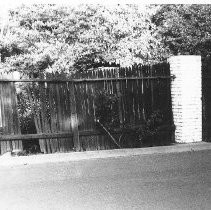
column 156, row 181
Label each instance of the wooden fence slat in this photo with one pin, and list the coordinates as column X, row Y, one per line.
column 119, row 95
column 3, row 112
column 45, row 124
column 15, row 118
column 54, row 142
column 9, row 117
column 74, row 117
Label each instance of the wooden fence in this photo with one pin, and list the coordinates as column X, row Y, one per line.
column 66, row 111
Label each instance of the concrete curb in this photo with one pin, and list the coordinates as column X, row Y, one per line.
column 8, row 160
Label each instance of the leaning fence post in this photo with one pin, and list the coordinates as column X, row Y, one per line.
column 186, row 97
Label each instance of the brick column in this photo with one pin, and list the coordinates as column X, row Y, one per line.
column 186, row 97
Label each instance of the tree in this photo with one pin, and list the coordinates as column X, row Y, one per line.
column 186, row 29
column 44, row 38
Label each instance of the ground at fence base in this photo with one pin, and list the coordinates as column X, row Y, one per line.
column 8, row 160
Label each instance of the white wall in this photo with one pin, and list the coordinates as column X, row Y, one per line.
column 186, row 97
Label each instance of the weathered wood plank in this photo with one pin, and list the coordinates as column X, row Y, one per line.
column 10, row 122
column 15, row 119
column 46, row 147
column 74, row 117
column 3, row 112
column 52, row 108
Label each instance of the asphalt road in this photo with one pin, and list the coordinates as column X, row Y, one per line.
column 157, row 181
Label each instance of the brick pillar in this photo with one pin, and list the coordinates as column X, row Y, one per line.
column 186, row 97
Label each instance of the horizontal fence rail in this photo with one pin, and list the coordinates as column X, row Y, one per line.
column 28, row 137
column 87, row 80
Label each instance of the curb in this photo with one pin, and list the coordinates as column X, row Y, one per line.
column 8, row 160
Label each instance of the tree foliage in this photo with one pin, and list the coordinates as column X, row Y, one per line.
column 185, row 29
column 43, row 38
column 46, row 38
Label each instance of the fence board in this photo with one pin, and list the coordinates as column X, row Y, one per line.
column 74, row 117
column 9, row 118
